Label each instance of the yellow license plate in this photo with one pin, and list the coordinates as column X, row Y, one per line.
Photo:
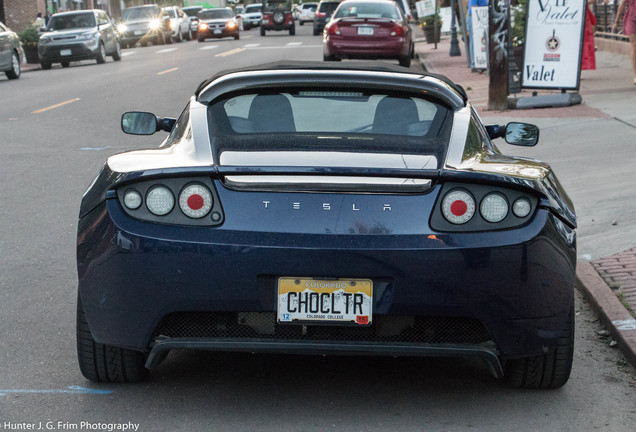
column 331, row 301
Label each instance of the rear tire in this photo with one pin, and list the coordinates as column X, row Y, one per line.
column 329, row 58
column 292, row 30
column 14, row 73
column 548, row 371
column 316, row 31
column 105, row 363
column 66, row 64
column 45, row 65
column 262, row 31
column 301, row 22
column 236, row 36
column 405, row 61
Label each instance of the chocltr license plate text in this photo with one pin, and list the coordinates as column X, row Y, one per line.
column 338, row 301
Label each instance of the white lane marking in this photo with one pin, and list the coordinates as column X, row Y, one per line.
column 209, row 47
column 228, row 53
column 252, row 45
column 168, row 71
column 246, row 37
column 95, row 148
column 127, row 53
column 165, row 50
column 41, row 110
column 294, row 43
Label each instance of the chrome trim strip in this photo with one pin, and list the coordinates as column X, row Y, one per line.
column 328, row 159
column 327, row 183
column 457, row 142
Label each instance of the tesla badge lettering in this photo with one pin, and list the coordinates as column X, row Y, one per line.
column 266, row 203
column 296, row 205
column 326, row 206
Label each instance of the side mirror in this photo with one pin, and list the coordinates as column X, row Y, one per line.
column 522, row 134
column 139, row 123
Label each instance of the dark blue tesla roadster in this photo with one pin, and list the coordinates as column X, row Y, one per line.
column 321, row 209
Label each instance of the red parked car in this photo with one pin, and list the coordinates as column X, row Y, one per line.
column 368, row 29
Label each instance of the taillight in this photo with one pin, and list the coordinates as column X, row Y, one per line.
column 159, row 200
column 333, row 30
column 195, row 201
column 132, row 199
column 521, row 208
column 494, row 207
column 458, row 207
column 397, row 30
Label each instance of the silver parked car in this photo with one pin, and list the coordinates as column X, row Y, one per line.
column 191, row 12
column 78, row 35
column 11, row 52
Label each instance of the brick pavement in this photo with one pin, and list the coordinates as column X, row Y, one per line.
column 619, row 272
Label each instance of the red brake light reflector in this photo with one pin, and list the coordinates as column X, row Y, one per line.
column 458, row 207
column 195, row 201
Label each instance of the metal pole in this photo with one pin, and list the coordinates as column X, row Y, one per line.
column 454, row 45
column 435, row 24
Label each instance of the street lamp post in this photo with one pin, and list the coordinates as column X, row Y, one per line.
column 454, row 45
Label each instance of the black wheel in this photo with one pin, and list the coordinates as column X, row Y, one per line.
column 105, row 363
column 14, row 73
column 167, row 40
column 117, row 53
column 66, row 64
column 412, row 51
column 101, row 55
column 45, row 65
column 262, row 31
column 301, row 22
column 548, row 371
column 189, row 35
column 292, row 30
column 316, row 31
column 329, row 58
column 405, row 61
column 179, row 37
column 200, row 38
column 236, row 36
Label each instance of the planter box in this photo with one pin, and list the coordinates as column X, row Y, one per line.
column 428, row 33
column 31, row 55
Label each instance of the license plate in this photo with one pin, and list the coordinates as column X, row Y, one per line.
column 65, row 52
column 365, row 31
column 337, row 301
column 218, row 31
column 139, row 32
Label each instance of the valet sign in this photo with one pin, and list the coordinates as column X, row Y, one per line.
column 553, row 44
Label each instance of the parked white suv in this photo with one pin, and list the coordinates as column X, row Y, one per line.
column 307, row 12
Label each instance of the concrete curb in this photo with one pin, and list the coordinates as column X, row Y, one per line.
column 618, row 320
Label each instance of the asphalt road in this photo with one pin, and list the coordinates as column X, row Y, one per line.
column 56, row 129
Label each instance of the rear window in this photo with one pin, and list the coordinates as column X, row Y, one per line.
column 368, row 10
column 330, row 121
column 328, row 7
column 311, row 7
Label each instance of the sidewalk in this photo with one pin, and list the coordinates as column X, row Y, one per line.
column 610, row 282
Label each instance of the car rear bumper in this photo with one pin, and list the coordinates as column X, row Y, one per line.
column 145, row 285
column 390, row 48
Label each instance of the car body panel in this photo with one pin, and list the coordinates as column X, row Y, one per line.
column 145, row 283
column 179, row 21
column 9, row 46
column 307, row 12
column 325, row 10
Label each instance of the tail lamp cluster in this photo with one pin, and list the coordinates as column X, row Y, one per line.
column 477, row 207
column 333, row 29
column 172, row 201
